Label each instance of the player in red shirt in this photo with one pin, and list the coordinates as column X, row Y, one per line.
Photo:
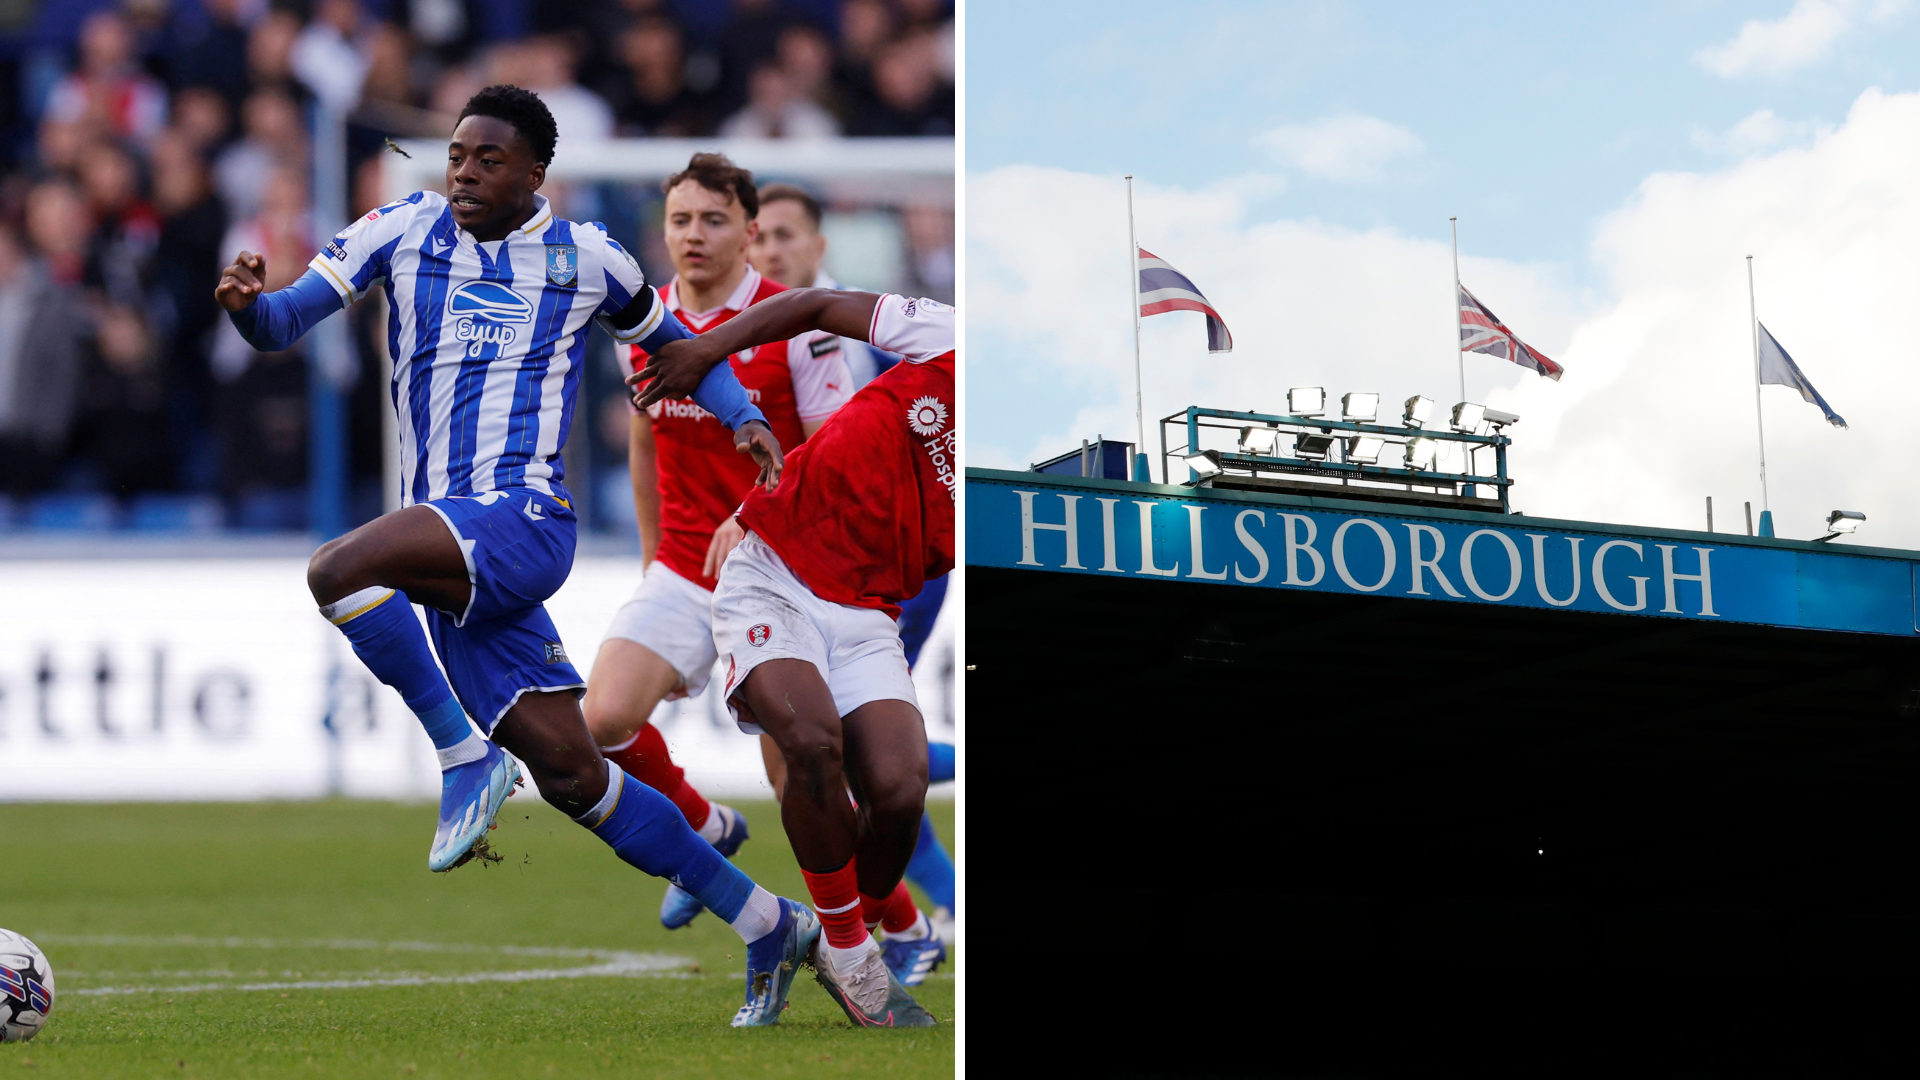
column 804, row 614
column 687, row 480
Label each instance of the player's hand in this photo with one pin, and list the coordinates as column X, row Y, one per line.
column 725, row 539
column 756, row 438
column 674, row 371
column 243, row 282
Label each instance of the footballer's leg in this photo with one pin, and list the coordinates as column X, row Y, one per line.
column 790, row 701
column 659, row 647
column 931, row 867
column 547, row 731
column 364, row 582
column 886, row 760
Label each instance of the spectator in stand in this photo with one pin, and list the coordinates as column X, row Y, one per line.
column 270, row 50
column 59, row 227
column 109, row 89
column 909, row 98
column 865, row 28
column 42, row 323
column 806, row 58
column 202, row 117
column 275, row 137
column 201, row 46
column 751, row 36
column 545, row 66
column 186, row 268
column 775, row 111
column 329, row 56
column 125, row 228
column 656, row 99
column 121, row 424
column 261, row 397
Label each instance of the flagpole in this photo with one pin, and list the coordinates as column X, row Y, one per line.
column 1759, row 419
column 1140, row 469
column 1460, row 355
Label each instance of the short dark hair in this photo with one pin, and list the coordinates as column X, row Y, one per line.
column 524, row 110
column 722, row 177
column 773, row 193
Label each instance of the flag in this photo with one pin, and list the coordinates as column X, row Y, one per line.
column 1778, row 368
column 1482, row 331
column 1163, row 289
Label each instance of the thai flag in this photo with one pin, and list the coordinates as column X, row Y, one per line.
column 1163, row 289
column 1482, row 331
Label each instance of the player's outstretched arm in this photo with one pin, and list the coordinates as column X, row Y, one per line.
column 677, row 367
column 272, row 321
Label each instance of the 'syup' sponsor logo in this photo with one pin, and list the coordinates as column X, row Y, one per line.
column 485, row 310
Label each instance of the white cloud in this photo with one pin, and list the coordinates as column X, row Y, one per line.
column 1656, row 409
column 1803, row 36
column 1343, row 147
column 1760, row 130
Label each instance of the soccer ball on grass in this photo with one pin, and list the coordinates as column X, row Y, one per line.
column 26, row 988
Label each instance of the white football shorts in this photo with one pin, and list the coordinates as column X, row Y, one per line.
column 762, row 612
column 673, row 617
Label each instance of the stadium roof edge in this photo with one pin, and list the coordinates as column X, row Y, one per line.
column 1398, row 510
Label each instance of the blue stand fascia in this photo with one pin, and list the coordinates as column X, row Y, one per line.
column 1766, row 523
column 1140, row 470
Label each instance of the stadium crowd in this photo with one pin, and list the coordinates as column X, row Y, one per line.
column 150, row 140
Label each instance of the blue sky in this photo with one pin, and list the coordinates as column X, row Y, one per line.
column 1611, row 165
column 1532, row 120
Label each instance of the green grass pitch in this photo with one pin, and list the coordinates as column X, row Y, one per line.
column 308, row 939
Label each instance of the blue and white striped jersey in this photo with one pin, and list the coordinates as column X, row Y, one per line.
column 488, row 339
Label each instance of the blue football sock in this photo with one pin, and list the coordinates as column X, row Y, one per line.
column 644, row 828
column 931, row 868
column 388, row 639
column 939, row 762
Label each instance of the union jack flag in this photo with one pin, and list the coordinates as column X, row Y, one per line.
column 1482, row 331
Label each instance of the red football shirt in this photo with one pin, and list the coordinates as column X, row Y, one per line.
column 702, row 477
column 864, row 511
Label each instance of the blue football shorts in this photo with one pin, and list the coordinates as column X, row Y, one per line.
column 519, row 548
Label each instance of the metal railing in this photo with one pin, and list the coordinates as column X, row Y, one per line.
column 1326, row 457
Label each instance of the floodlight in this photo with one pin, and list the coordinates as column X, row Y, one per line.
column 1420, row 452
column 1307, row 400
column 1259, row 440
column 1500, row 419
column 1419, row 411
column 1843, row 521
column 1364, row 449
column 1202, row 465
column 1312, row 444
column 1467, row 417
column 1359, row 407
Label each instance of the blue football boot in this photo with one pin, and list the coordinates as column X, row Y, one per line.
column 470, row 798
column 678, row 907
column 772, row 962
column 912, row 961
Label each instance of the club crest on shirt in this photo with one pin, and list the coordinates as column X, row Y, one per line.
column 926, row 416
column 563, row 263
column 758, row 633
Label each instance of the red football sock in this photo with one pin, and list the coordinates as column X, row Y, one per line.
column 895, row 914
column 836, row 899
column 646, row 760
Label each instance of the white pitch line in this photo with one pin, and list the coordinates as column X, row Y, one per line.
column 615, row 963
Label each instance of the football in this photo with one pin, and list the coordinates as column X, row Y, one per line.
column 26, row 988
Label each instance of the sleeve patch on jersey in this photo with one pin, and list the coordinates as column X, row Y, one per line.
column 335, row 251
column 825, row 346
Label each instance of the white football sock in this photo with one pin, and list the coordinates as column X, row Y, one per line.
column 472, row 748
column 845, row 960
column 758, row 916
column 712, row 829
